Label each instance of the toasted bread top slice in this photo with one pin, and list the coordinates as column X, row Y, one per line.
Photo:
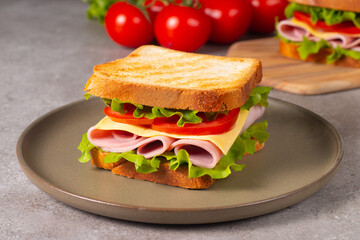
column 156, row 76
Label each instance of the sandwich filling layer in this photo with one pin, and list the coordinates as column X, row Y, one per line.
column 204, row 150
column 294, row 30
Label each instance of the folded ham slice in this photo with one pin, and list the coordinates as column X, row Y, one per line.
column 255, row 113
column 201, row 153
column 343, row 41
column 153, row 146
column 290, row 31
column 111, row 138
column 295, row 33
column 355, row 45
column 122, row 141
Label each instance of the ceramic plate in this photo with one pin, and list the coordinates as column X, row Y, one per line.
column 301, row 155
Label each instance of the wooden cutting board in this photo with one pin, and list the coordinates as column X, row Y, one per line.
column 292, row 75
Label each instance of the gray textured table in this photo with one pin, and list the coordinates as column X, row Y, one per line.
column 48, row 49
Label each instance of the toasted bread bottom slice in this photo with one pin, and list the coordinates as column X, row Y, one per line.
column 164, row 175
column 290, row 50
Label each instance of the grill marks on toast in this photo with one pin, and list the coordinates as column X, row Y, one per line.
column 166, row 70
column 194, row 70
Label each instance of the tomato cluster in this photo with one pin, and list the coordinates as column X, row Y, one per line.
column 187, row 25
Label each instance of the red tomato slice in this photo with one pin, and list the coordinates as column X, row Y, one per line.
column 126, row 118
column 347, row 27
column 220, row 125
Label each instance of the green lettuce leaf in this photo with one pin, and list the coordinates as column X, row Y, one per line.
column 142, row 164
column 118, row 106
column 97, row 9
column 259, row 96
column 85, row 146
column 185, row 116
column 87, row 96
column 211, row 116
column 335, row 55
column 307, row 47
column 329, row 16
column 339, row 52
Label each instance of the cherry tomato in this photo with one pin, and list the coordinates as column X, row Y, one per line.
column 182, row 28
column 264, row 13
column 344, row 27
column 126, row 118
column 218, row 126
column 229, row 19
column 153, row 7
column 127, row 25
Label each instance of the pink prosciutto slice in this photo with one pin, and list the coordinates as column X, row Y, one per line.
column 123, row 141
column 201, row 153
column 295, row 33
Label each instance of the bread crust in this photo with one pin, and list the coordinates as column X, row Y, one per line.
column 345, row 5
column 97, row 159
column 192, row 99
column 176, row 83
column 258, row 147
column 290, row 50
column 164, row 175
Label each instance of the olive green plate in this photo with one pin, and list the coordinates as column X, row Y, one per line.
column 301, row 155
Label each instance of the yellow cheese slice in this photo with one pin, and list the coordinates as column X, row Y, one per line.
column 223, row 141
column 317, row 32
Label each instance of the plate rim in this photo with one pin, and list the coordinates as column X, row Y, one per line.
column 42, row 183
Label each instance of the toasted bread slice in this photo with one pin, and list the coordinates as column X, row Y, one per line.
column 157, row 76
column 164, row 175
column 290, row 50
column 97, row 159
column 345, row 5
